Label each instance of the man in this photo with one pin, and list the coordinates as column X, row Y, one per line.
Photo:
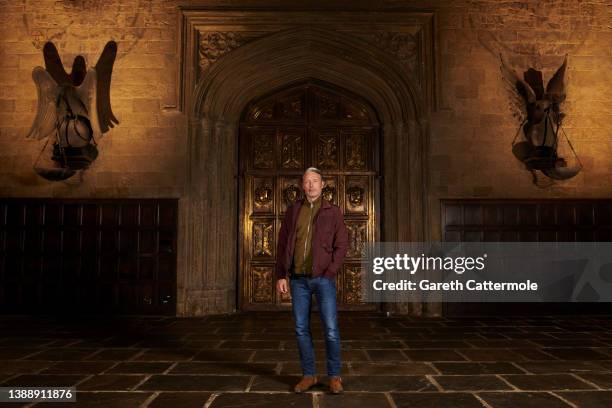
column 312, row 244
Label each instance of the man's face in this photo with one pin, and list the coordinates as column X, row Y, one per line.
column 312, row 184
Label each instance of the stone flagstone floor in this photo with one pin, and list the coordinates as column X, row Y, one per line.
column 250, row 360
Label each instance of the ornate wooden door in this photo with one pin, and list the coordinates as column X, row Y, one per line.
column 280, row 136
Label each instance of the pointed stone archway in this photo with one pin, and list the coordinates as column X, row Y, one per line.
column 207, row 269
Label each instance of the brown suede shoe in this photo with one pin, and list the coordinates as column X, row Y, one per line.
column 305, row 384
column 335, row 385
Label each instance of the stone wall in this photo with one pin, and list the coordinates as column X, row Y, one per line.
column 144, row 155
column 473, row 130
column 470, row 132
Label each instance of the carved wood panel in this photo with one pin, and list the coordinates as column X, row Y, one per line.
column 280, row 136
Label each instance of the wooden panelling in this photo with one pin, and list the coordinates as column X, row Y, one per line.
column 103, row 256
column 526, row 221
column 522, row 220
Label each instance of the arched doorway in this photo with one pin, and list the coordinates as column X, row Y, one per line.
column 209, row 232
column 281, row 134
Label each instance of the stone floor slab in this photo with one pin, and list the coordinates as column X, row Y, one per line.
column 522, row 400
column 354, row 400
column 195, row 383
column 547, row 382
column 103, row 399
column 180, row 400
column 262, row 400
column 590, row 399
column 471, row 383
column 435, row 400
column 477, row 368
column 111, row 382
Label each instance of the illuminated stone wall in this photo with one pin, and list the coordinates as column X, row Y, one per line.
column 469, row 133
column 143, row 155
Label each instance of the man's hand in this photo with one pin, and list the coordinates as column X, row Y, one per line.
column 281, row 285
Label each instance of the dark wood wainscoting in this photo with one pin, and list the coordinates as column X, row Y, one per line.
column 88, row 255
column 526, row 221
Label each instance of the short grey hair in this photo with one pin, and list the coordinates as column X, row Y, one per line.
column 314, row 170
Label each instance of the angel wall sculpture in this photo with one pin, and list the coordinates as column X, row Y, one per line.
column 541, row 121
column 73, row 110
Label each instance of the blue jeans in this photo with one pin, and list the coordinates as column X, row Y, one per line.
column 324, row 289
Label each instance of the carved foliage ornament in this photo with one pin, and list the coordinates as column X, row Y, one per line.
column 214, row 44
column 263, row 151
column 352, row 287
column 327, row 149
column 261, row 281
column 355, row 151
column 292, row 151
column 357, row 239
column 401, row 45
column 262, row 239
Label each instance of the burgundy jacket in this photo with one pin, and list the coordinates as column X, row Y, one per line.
column 329, row 243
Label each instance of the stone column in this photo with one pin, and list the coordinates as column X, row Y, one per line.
column 403, row 200
column 209, row 264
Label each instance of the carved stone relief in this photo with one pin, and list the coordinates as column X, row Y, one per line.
column 214, row 44
column 404, row 46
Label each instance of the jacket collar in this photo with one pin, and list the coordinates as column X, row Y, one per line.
column 324, row 202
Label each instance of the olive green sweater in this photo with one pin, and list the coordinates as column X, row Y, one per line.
column 302, row 256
